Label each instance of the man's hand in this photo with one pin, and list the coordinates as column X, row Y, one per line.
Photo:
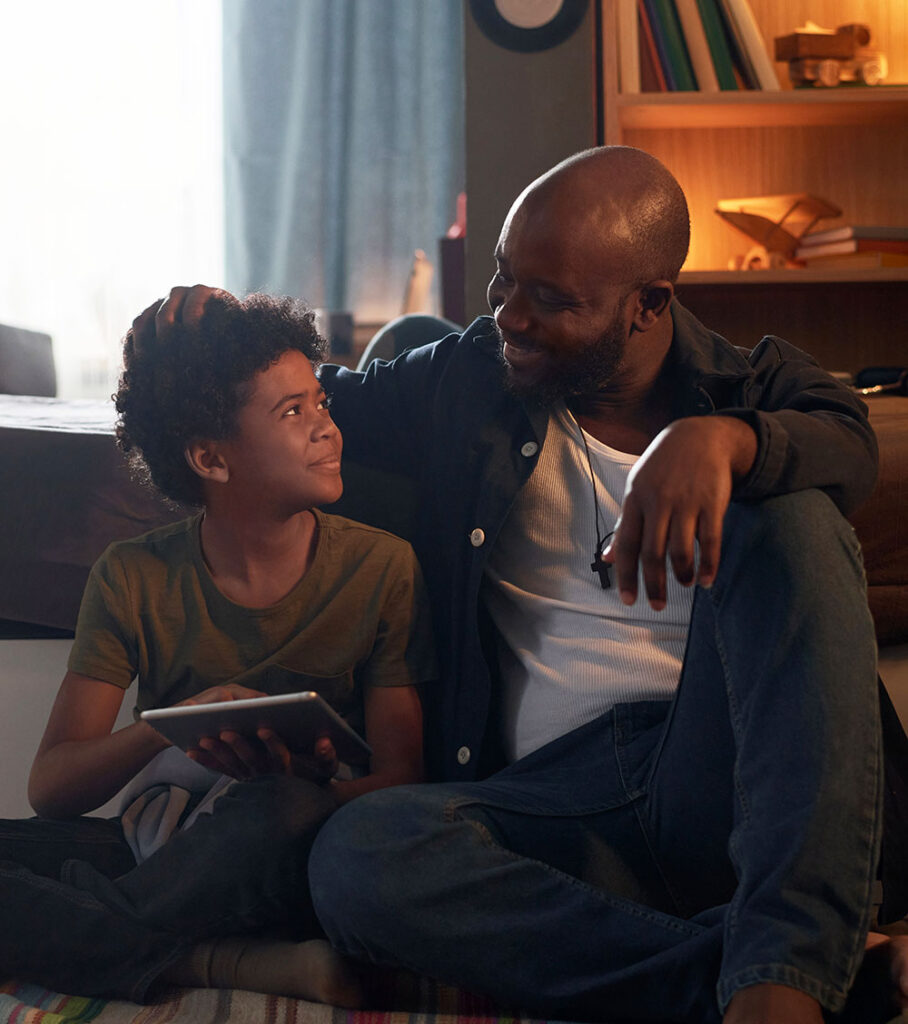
column 676, row 494
column 182, row 305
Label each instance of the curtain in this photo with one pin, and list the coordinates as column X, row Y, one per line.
column 343, row 143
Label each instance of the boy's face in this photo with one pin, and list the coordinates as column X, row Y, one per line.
column 286, row 451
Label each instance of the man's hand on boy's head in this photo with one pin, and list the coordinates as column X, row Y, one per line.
column 182, row 305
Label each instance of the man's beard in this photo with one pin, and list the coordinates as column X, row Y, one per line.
column 569, row 375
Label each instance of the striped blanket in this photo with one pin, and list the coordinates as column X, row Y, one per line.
column 421, row 1002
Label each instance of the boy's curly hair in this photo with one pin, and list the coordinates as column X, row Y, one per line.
column 190, row 384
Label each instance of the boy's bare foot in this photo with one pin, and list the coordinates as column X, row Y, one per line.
column 772, row 1004
column 303, row 970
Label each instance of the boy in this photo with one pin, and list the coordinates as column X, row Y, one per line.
column 257, row 593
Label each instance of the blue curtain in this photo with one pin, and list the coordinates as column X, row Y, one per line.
column 343, row 144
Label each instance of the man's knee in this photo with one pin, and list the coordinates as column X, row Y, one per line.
column 801, row 535
column 361, row 865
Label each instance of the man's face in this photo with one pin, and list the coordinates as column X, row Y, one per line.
column 286, row 451
column 563, row 312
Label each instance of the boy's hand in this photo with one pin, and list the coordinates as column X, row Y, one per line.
column 243, row 757
column 319, row 766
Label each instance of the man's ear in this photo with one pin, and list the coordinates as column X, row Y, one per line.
column 652, row 302
column 207, row 461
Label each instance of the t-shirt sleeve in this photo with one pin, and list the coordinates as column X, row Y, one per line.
column 404, row 650
column 105, row 645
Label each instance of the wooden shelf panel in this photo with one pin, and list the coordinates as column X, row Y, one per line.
column 801, row 107
column 802, row 275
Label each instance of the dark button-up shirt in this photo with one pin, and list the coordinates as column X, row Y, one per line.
column 438, row 432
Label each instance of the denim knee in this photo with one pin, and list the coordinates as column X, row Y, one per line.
column 804, row 531
column 272, row 813
column 361, row 873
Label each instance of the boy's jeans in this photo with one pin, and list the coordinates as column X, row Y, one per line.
column 653, row 862
column 77, row 915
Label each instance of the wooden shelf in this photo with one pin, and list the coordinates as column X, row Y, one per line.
column 754, row 109
column 803, row 275
column 847, row 144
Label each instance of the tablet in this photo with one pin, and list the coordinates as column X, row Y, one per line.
column 298, row 718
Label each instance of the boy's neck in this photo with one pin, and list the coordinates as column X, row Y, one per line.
column 255, row 563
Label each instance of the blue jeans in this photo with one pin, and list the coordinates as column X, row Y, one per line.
column 79, row 916
column 651, row 863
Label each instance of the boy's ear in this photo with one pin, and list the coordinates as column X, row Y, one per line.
column 207, row 461
column 652, row 302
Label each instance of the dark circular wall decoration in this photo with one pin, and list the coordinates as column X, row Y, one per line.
column 528, row 25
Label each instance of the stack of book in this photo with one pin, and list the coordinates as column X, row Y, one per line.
column 855, row 245
column 678, row 45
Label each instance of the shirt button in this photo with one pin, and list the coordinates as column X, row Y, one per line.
column 463, row 755
column 529, row 449
column 477, row 538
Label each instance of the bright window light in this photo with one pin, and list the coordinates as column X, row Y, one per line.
column 111, row 128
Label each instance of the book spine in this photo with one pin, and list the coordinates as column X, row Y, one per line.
column 697, row 45
column 859, row 260
column 678, row 57
column 658, row 35
column 805, row 252
column 846, row 231
column 652, row 77
column 718, row 45
column 753, row 43
column 736, row 45
column 628, row 47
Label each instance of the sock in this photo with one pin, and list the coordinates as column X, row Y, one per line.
column 303, row 970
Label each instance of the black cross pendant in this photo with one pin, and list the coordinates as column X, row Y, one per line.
column 597, row 565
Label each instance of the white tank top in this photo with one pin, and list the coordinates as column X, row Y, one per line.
column 569, row 650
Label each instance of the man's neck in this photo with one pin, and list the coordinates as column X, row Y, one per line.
column 626, row 418
column 631, row 410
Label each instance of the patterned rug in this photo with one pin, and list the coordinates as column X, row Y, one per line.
column 31, row 1004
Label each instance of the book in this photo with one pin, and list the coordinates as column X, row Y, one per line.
column 676, row 62
column 697, row 46
column 806, row 252
column 740, row 57
column 660, row 44
column 860, row 260
column 652, row 77
column 752, row 39
column 718, row 44
column 628, row 47
column 847, row 231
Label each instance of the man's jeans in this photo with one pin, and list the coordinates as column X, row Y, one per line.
column 78, row 915
column 653, row 862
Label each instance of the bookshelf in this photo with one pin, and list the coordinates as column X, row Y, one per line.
column 847, row 144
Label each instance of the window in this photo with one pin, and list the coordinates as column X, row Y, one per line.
column 112, row 169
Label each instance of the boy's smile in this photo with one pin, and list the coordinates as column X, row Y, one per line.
column 285, row 454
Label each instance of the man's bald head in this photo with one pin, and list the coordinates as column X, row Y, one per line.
column 621, row 200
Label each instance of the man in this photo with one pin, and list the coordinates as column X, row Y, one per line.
column 686, row 823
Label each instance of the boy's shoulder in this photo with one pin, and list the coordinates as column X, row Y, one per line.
column 165, row 544
column 359, row 538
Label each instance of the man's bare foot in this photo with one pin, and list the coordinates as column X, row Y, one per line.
column 891, row 949
column 772, row 1004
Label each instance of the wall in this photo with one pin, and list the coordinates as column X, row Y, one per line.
column 524, row 113
column 31, row 671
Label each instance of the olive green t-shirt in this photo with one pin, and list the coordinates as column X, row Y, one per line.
column 357, row 618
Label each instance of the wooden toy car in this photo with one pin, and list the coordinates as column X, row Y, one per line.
column 818, row 57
